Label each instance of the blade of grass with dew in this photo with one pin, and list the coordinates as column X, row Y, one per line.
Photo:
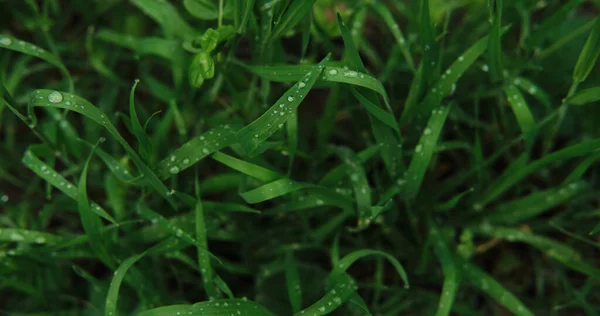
column 452, row 275
column 26, row 48
column 144, row 145
column 585, row 96
column 144, row 46
column 91, row 222
column 289, row 73
column 360, row 184
column 344, row 263
column 535, row 204
column 292, row 279
column 166, row 15
column 521, row 110
column 118, row 170
column 292, row 16
column 28, row 236
column 223, row 307
column 51, row 98
column 255, row 133
column 110, row 308
column 494, row 289
column 195, row 150
column 203, row 259
column 340, row 292
column 246, row 168
column 58, row 181
column 384, row 116
column 589, row 55
column 424, row 151
column 337, row 173
column 534, row 90
column 428, row 45
column 292, row 134
column 517, row 174
column 495, row 44
column 389, row 139
column 554, row 249
column 387, row 17
column 450, row 77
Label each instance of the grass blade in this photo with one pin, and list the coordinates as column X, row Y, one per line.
column 424, row 151
column 589, row 54
column 452, row 275
column 495, row 44
column 203, row 257
column 166, row 15
column 521, row 111
column 217, row 308
column 292, row 16
column 292, row 279
column 255, row 133
column 144, row 145
column 585, row 96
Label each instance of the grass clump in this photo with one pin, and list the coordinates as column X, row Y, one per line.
column 340, row 157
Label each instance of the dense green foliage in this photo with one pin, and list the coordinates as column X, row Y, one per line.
column 309, row 157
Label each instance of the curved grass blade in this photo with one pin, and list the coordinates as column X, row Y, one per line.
column 56, row 99
column 28, row 236
column 344, row 263
column 273, row 190
column 589, row 54
column 360, row 185
column 387, row 17
column 247, row 168
column 531, row 88
column 289, row 73
column 556, row 250
column 449, row 78
column 144, row 46
column 203, row 259
column 292, row 279
column 337, row 173
column 91, row 222
column 195, row 150
column 581, row 168
column 112, row 297
column 385, row 117
column 428, row 45
column 255, row 133
column 144, row 145
column 424, row 150
column 585, row 96
column 495, row 290
column 55, row 179
column 451, row 273
column 535, row 204
column 202, row 9
column 543, row 29
column 35, row 51
column 224, row 307
column 521, row 111
column 117, row 169
column 340, row 292
column 165, row 14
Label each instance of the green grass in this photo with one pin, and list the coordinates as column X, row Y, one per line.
column 273, row 157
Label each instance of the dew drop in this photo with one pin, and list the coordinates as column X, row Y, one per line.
column 418, row 148
column 532, row 90
column 485, row 68
column 5, row 41
column 333, row 72
column 351, row 74
column 461, row 58
column 174, row 170
column 205, row 151
column 55, row 97
column 427, row 131
column 290, row 98
column 186, row 161
column 301, row 85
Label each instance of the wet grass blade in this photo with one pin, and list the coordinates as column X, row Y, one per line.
column 61, row 100
column 429, row 46
column 494, row 289
column 203, row 258
column 340, row 292
column 224, row 307
column 452, row 275
column 292, row 279
column 144, row 145
column 50, row 175
column 28, row 236
column 35, row 51
column 521, row 111
column 91, row 222
column 387, row 17
column 360, row 185
column 345, row 262
column 292, row 16
column 424, row 151
column 110, row 308
column 195, row 150
column 255, row 133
